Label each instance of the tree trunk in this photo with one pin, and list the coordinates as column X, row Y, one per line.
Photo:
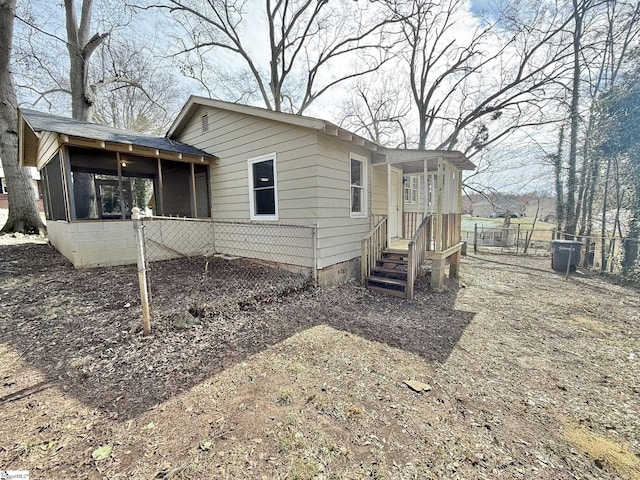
column 557, row 164
column 603, row 226
column 23, row 209
column 83, row 96
column 533, row 228
column 80, row 48
column 422, row 140
column 571, row 223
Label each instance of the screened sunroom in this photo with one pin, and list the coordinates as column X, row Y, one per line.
column 92, row 176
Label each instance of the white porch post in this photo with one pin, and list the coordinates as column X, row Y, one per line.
column 425, row 169
column 388, row 203
column 440, row 191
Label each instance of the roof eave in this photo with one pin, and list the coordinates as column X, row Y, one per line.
column 194, row 102
column 135, row 149
column 322, row 126
column 22, row 121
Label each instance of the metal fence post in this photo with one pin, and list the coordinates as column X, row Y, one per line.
column 138, row 230
column 475, row 238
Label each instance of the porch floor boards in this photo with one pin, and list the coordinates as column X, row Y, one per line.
column 399, row 244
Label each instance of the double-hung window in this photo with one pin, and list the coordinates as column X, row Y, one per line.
column 411, row 189
column 358, row 182
column 263, row 188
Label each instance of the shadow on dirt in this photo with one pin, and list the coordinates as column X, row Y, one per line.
column 81, row 328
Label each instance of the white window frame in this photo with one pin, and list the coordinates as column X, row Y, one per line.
column 252, row 198
column 365, row 198
column 412, row 187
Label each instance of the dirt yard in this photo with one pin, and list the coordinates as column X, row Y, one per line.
column 529, row 375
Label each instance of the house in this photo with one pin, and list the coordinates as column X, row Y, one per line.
column 544, row 207
column 230, row 162
column 35, row 179
column 498, row 206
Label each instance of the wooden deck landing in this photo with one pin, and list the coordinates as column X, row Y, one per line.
column 400, row 244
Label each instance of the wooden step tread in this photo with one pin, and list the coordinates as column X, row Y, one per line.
column 386, row 291
column 390, row 271
column 392, row 260
column 395, row 251
column 387, row 281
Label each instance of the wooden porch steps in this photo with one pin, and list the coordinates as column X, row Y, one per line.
column 389, row 276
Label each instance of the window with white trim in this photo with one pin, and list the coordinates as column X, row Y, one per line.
column 263, row 188
column 411, row 189
column 358, row 180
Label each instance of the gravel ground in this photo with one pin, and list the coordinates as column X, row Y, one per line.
column 529, row 375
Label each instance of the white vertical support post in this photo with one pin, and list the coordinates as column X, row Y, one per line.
column 439, row 191
column 138, row 229
column 425, row 169
column 388, row 203
column 459, row 212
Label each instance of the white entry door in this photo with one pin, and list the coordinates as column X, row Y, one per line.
column 395, row 205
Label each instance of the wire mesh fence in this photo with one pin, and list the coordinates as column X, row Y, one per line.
column 514, row 239
column 608, row 254
column 209, row 267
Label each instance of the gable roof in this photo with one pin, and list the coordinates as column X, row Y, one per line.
column 40, row 122
column 322, row 126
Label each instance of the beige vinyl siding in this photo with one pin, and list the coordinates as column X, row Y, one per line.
column 48, row 145
column 379, row 203
column 339, row 235
column 313, row 171
column 235, row 138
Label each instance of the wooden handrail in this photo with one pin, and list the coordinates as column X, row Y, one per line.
column 419, row 245
column 371, row 247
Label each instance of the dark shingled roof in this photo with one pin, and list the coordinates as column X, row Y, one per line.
column 45, row 122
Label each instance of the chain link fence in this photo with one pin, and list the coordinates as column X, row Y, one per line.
column 199, row 268
column 514, row 239
column 613, row 255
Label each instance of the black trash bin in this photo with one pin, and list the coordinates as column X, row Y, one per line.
column 563, row 252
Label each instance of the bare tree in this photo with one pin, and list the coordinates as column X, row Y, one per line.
column 150, row 98
column 81, row 45
column 23, row 211
column 47, row 74
column 580, row 9
column 377, row 109
column 483, row 86
column 307, row 47
column 610, row 54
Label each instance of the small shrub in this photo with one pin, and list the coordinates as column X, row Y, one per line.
column 285, row 397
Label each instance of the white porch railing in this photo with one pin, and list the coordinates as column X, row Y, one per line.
column 372, row 246
column 419, row 245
